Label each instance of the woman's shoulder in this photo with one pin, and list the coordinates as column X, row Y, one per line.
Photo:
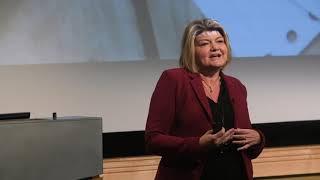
column 178, row 75
column 176, row 72
column 235, row 83
column 232, row 79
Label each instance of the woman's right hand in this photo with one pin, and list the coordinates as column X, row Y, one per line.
column 208, row 139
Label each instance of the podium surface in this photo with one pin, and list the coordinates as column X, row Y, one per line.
column 65, row 148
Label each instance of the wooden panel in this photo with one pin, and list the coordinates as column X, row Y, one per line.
column 295, row 177
column 287, row 161
column 282, row 161
column 134, row 164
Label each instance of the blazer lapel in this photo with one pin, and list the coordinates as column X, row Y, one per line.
column 198, row 89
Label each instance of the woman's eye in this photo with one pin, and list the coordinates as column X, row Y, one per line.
column 203, row 44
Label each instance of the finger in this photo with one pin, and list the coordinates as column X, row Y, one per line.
column 242, row 131
column 209, row 132
column 232, row 130
column 226, row 138
column 239, row 137
column 239, row 142
column 243, row 147
column 219, row 134
column 229, row 132
column 221, row 139
column 228, row 135
column 223, row 130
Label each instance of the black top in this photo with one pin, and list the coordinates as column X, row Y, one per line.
column 223, row 163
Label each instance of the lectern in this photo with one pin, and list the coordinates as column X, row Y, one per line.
column 67, row 148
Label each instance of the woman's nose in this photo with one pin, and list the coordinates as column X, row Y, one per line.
column 213, row 47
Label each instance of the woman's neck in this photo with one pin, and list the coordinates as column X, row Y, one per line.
column 210, row 76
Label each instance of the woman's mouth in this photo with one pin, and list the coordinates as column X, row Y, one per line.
column 215, row 55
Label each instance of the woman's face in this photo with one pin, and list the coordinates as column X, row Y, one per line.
column 211, row 51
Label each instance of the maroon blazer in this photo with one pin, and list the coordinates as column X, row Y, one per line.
column 179, row 115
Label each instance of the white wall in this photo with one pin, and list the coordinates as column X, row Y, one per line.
column 281, row 89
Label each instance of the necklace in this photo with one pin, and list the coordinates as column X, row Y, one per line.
column 208, row 85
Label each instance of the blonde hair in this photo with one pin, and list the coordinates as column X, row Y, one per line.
column 187, row 56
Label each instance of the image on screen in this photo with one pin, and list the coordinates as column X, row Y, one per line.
column 55, row 31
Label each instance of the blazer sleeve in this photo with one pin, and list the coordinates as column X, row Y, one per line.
column 161, row 119
column 253, row 151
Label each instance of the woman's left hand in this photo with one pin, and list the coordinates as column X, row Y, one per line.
column 246, row 138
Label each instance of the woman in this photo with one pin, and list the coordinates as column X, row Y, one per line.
column 198, row 118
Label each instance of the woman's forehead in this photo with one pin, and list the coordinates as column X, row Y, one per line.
column 206, row 34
